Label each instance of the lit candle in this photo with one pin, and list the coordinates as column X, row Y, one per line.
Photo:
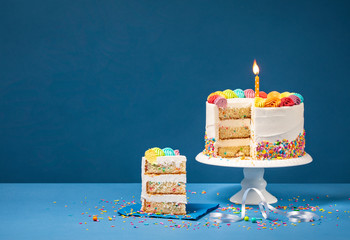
column 256, row 72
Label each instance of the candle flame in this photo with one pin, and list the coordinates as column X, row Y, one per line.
column 255, row 68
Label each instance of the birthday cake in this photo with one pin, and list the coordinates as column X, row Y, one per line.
column 163, row 182
column 242, row 126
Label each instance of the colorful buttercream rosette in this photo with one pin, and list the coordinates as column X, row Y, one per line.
column 152, row 154
column 272, row 99
column 230, row 94
column 276, row 99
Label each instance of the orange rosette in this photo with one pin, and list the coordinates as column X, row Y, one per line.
column 274, row 94
column 272, row 102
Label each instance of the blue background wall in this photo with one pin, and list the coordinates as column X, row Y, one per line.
column 87, row 86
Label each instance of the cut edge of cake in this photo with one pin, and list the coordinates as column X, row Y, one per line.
column 167, row 178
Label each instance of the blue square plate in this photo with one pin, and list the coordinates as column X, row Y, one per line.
column 194, row 211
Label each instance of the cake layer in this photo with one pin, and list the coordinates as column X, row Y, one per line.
column 165, row 187
column 165, row 167
column 234, row 113
column 234, row 151
column 164, row 208
column 234, row 132
column 235, row 123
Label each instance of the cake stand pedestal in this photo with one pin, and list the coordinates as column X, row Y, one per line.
column 253, row 171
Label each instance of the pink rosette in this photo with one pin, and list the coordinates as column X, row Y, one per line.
column 295, row 99
column 249, row 93
column 177, row 152
column 221, row 102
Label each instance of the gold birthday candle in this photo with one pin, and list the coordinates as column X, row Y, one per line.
column 256, row 72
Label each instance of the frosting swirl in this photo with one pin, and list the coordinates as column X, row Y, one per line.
column 230, row 94
column 220, row 93
column 259, row 102
column 151, row 156
column 212, row 98
column 295, row 99
column 159, row 152
column 249, row 93
column 299, row 96
column 239, row 93
column 262, row 94
column 273, row 94
column 221, row 102
column 287, row 101
column 285, row 94
column 168, row 151
column 272, row 102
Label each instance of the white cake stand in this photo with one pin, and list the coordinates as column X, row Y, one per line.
column 253, row 171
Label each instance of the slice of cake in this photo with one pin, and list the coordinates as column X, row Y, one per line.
column 163, row 182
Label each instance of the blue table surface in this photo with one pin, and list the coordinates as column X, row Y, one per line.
column 64, row 211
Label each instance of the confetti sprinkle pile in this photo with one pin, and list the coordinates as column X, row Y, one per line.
column 281, row 149
column 209, row 146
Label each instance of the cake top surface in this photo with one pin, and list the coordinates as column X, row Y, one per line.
column 264, row 100
column 154, row 155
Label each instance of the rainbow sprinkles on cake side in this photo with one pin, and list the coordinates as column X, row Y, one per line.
column 163, row 182
column 240, row 125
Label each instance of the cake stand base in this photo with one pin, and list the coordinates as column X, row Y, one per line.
column 253, row 174
column 253, row 178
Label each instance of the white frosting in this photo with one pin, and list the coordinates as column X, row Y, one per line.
column 163, row 178
column 272, row 124
column 212, row 120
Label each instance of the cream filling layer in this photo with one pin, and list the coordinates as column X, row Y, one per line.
column 164, row 178
column 232, row 142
